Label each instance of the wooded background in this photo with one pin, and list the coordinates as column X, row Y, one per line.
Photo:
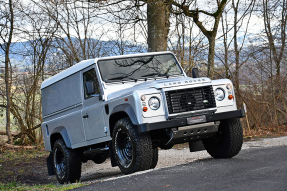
column 242, row 40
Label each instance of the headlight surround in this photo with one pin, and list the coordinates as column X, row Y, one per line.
column 154, row 103
column 219, row 94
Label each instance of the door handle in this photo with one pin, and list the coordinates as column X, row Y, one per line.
column 86, row 116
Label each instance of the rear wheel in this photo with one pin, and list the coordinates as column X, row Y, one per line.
column 133, row 151
column 67, row 163
column 228, row 141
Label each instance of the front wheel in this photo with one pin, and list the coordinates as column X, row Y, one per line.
column 67, row 163
column 154, row 158
column 228, row 141
column 133, row 151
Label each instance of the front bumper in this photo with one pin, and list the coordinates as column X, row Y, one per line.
column 183, row 122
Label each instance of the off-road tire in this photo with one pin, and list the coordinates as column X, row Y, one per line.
column 154, row 158
column 228, row 141
column 72, row 163
column 138, row 152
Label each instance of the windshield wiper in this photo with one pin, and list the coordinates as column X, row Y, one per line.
column 158, row 74
column 166, row 75
column 123, row 77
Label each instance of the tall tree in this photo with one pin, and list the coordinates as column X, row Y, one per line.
column 247, row 9
column 275, row 22
column 184, row 8
column 158, row 21
column 6, row 34
column 158, row 15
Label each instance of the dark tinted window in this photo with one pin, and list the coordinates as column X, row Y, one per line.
column 139, row 67
column 91, row 76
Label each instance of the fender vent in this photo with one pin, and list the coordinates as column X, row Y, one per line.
column 192, row 99
column 47, row 130
column 107, row 109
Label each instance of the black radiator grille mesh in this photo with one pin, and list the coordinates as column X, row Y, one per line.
column 190, row 99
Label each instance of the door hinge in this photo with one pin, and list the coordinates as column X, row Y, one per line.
column 106, row 130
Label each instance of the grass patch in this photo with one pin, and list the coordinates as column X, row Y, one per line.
column 22, row 154
column 21, row 187
column 24, row 167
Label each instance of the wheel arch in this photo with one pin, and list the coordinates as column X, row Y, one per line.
column 122, row 111
column 60, row 133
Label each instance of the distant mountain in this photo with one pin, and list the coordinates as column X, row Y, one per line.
column 21, row 51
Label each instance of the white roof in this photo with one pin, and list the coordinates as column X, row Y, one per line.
column 86, row 63
column 67, row 72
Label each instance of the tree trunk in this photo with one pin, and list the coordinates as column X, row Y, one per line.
column 7, row 62
column 237, row 64
column 226, row 65
column 210, row 67
column 158, row 14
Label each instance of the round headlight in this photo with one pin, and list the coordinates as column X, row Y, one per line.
column 219, row 94
column 154, row 103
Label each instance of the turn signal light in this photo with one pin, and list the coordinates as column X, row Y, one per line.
column 230, row 97
column 145, row 109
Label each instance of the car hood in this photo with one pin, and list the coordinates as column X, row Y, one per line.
column 157, row 84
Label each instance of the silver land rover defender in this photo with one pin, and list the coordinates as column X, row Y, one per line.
column 126, row 107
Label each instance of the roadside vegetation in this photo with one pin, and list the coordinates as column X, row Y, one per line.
column 23, row 187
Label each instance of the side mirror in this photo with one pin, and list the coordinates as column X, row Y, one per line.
column 90, row 87
column 195, row 73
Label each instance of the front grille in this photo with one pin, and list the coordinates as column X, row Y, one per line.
column 192, row 99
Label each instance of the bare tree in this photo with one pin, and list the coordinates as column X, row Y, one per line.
column 275, row 20
column 77, row 32
column 188, row 44
column 183, row 7
column 6, row 34
column 246, row 11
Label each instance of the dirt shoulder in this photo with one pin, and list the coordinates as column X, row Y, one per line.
column 27, row 167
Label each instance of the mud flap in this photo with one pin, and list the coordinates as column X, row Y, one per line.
column 196, row 146
column 50, row 166
column 112, row 156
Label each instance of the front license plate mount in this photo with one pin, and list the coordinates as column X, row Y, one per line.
column 195, row 120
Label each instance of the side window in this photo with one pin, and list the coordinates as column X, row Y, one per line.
column 91, row 84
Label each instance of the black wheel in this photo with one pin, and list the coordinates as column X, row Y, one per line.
column 67, row 163
column 133, row 151
column 154, row 158
column 228, row 141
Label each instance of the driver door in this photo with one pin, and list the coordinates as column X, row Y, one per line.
column 92, row 112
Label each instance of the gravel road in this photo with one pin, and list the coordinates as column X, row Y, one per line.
column 92, row 172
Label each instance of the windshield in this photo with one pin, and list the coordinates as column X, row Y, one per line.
column 139, row 67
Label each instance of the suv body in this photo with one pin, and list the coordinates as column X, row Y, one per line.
column 125, row 107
